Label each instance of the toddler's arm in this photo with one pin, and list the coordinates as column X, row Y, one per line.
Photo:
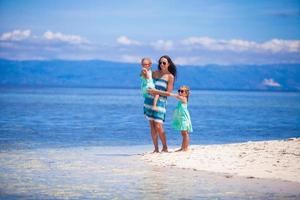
column 144, row 73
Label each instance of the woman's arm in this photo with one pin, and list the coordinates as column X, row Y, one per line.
column 169, row 88
column 170, row 83
column 166, row 93
column 181, row 98
column 159, row 92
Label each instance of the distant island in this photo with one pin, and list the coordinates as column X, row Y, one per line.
column 97, row 73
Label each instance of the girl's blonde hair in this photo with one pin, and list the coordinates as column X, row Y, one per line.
column 146, row 58
column 187, row 91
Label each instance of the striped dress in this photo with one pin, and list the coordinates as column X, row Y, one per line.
column 160, row 114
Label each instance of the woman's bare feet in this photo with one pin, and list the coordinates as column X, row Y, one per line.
column 165, row 149
column 155, row 151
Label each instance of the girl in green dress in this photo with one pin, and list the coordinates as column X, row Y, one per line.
column 181, row 117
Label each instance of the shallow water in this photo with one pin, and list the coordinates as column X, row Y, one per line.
column 120, row 173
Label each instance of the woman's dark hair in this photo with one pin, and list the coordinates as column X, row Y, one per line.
column 172, row 66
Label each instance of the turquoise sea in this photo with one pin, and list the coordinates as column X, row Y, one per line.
column 85, row 143
column 64, row 117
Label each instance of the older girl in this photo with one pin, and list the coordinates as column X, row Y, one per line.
column 181, row 117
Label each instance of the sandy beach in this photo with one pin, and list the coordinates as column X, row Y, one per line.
column 277, row 159
column 120, row 173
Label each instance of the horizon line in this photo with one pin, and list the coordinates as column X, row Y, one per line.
column 113, row 61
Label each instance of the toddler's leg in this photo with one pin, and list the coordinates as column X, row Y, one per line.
column 154, row 106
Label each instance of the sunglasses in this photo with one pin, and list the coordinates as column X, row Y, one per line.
column 146, row 64
column 181, row 91
column 164, row 63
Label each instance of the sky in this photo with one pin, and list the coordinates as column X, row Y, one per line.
column 191, row 32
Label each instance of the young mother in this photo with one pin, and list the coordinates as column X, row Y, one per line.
column 164, row 79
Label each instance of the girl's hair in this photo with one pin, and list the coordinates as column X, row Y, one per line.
column 171, row 68
column 146, row 58
column 187, row 91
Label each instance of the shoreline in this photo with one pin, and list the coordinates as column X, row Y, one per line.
column 274, row 159
column 98, row 172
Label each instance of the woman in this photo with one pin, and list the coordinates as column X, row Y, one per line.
column 164, row 79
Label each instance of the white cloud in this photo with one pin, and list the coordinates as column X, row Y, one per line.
column 277, row 45
column 72, row 39
column 237, row 45
column 240, row 45
column 164, row 45
column 131, row 58
column 16, row 35
column 191, row 60
column 190, row 51
column 123, row 40
column 203, row 41
column 270, row 82
column 219, row 45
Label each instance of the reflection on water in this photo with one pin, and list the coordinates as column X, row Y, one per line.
column 120, row 173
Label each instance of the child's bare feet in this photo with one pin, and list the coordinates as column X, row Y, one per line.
column 165, row 149
column 179, row 150
column 155, row 108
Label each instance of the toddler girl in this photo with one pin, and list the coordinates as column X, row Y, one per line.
column 147, row 81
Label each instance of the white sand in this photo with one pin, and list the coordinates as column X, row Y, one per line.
column 278, row 159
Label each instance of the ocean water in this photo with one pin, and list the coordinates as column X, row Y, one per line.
column 86, row 143
column 66, row 117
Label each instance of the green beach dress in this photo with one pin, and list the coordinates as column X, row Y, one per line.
column 181, row 118
column 147, row 83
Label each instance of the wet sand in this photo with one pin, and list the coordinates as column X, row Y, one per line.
column 120, row 173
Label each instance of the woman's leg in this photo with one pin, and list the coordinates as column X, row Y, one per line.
column 185, row 140
column 154, row 136
column 160, row 130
